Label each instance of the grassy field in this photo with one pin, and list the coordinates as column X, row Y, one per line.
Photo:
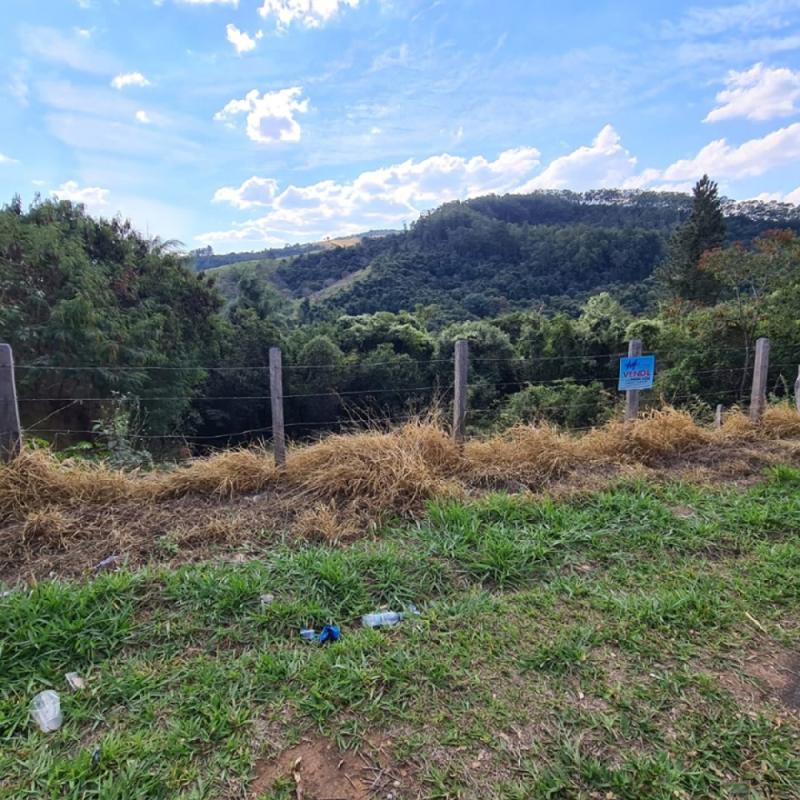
column 639, row 642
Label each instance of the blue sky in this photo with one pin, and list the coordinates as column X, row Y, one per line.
column 252, row 123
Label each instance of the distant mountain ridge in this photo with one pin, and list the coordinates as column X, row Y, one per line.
column 494, row 253
column 204, row 258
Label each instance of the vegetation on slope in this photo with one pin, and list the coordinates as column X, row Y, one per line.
column 493, row 254
column 115, row 337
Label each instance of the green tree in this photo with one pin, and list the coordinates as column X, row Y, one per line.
column 92, row 308
column 757, row 283
column 493, row 363
column 602, row 324
column 682, row 276
column 322, row 374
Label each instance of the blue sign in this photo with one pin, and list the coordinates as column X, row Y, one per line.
column 636, row 372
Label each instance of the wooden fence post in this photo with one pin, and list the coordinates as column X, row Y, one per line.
column 758, row 396
column 10, row 431
column 797, row 390
column 276, row 398
column 632, row 395
column 460, row 399
column 718, row 416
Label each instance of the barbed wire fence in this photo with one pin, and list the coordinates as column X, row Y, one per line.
column 456, row 393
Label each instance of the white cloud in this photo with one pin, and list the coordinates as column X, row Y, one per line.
column 755, row 157
column 390, row 196
column 4, row 159
column 93, row 197
column 17, row 85
column 129, row 79
column 759, row 93
column 377, row 198
column 253, row 192
column 271, row 116
column 74, row 51
column 234, row 3
column 242, row 42
column 143, row 117
column 603, row 164
column 793, row 197
column 747, row 16
column 778, row 197
column 311, row 13
column 393, row 57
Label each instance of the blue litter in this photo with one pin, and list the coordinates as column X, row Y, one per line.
column 329, row 633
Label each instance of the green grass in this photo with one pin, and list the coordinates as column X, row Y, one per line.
column 573, row 649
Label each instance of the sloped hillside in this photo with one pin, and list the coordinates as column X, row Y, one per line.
column 494, row 253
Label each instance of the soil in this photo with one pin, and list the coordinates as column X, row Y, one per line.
column 771, row 674
column 319, row 770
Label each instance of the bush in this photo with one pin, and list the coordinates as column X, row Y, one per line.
column 564, row 402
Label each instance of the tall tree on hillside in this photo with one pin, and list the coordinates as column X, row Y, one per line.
column 682, row 274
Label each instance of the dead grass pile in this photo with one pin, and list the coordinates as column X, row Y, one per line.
column 737, row 427
column 225, row 474
column 36, row 480
column 323, row 521
column 376, row 472
column 654, row 436
column 342, row 486
column 781, row 421
column 47, row 525
column 522, row 455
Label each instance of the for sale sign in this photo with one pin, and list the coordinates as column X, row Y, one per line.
column 636, row 372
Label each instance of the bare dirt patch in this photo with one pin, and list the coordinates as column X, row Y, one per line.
column 779, row 675
column 770, row 675
column 319, row 770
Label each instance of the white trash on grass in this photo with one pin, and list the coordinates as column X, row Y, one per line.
column 46, row 711
column 75, row 682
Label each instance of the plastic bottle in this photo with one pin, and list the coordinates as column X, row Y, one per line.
column 46, row 711
column 382, row 619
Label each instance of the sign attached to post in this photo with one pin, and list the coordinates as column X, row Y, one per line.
column 636, row 372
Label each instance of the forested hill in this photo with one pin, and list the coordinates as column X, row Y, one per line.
column 491, row 254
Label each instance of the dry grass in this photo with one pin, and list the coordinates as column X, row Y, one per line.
column 47, row 525
column 344, row 485
column 325, row 522
column 225, row 474
column 648, row 440
column 781, row 421
column 523, row 455
column 35, row 480
column 377, row 472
